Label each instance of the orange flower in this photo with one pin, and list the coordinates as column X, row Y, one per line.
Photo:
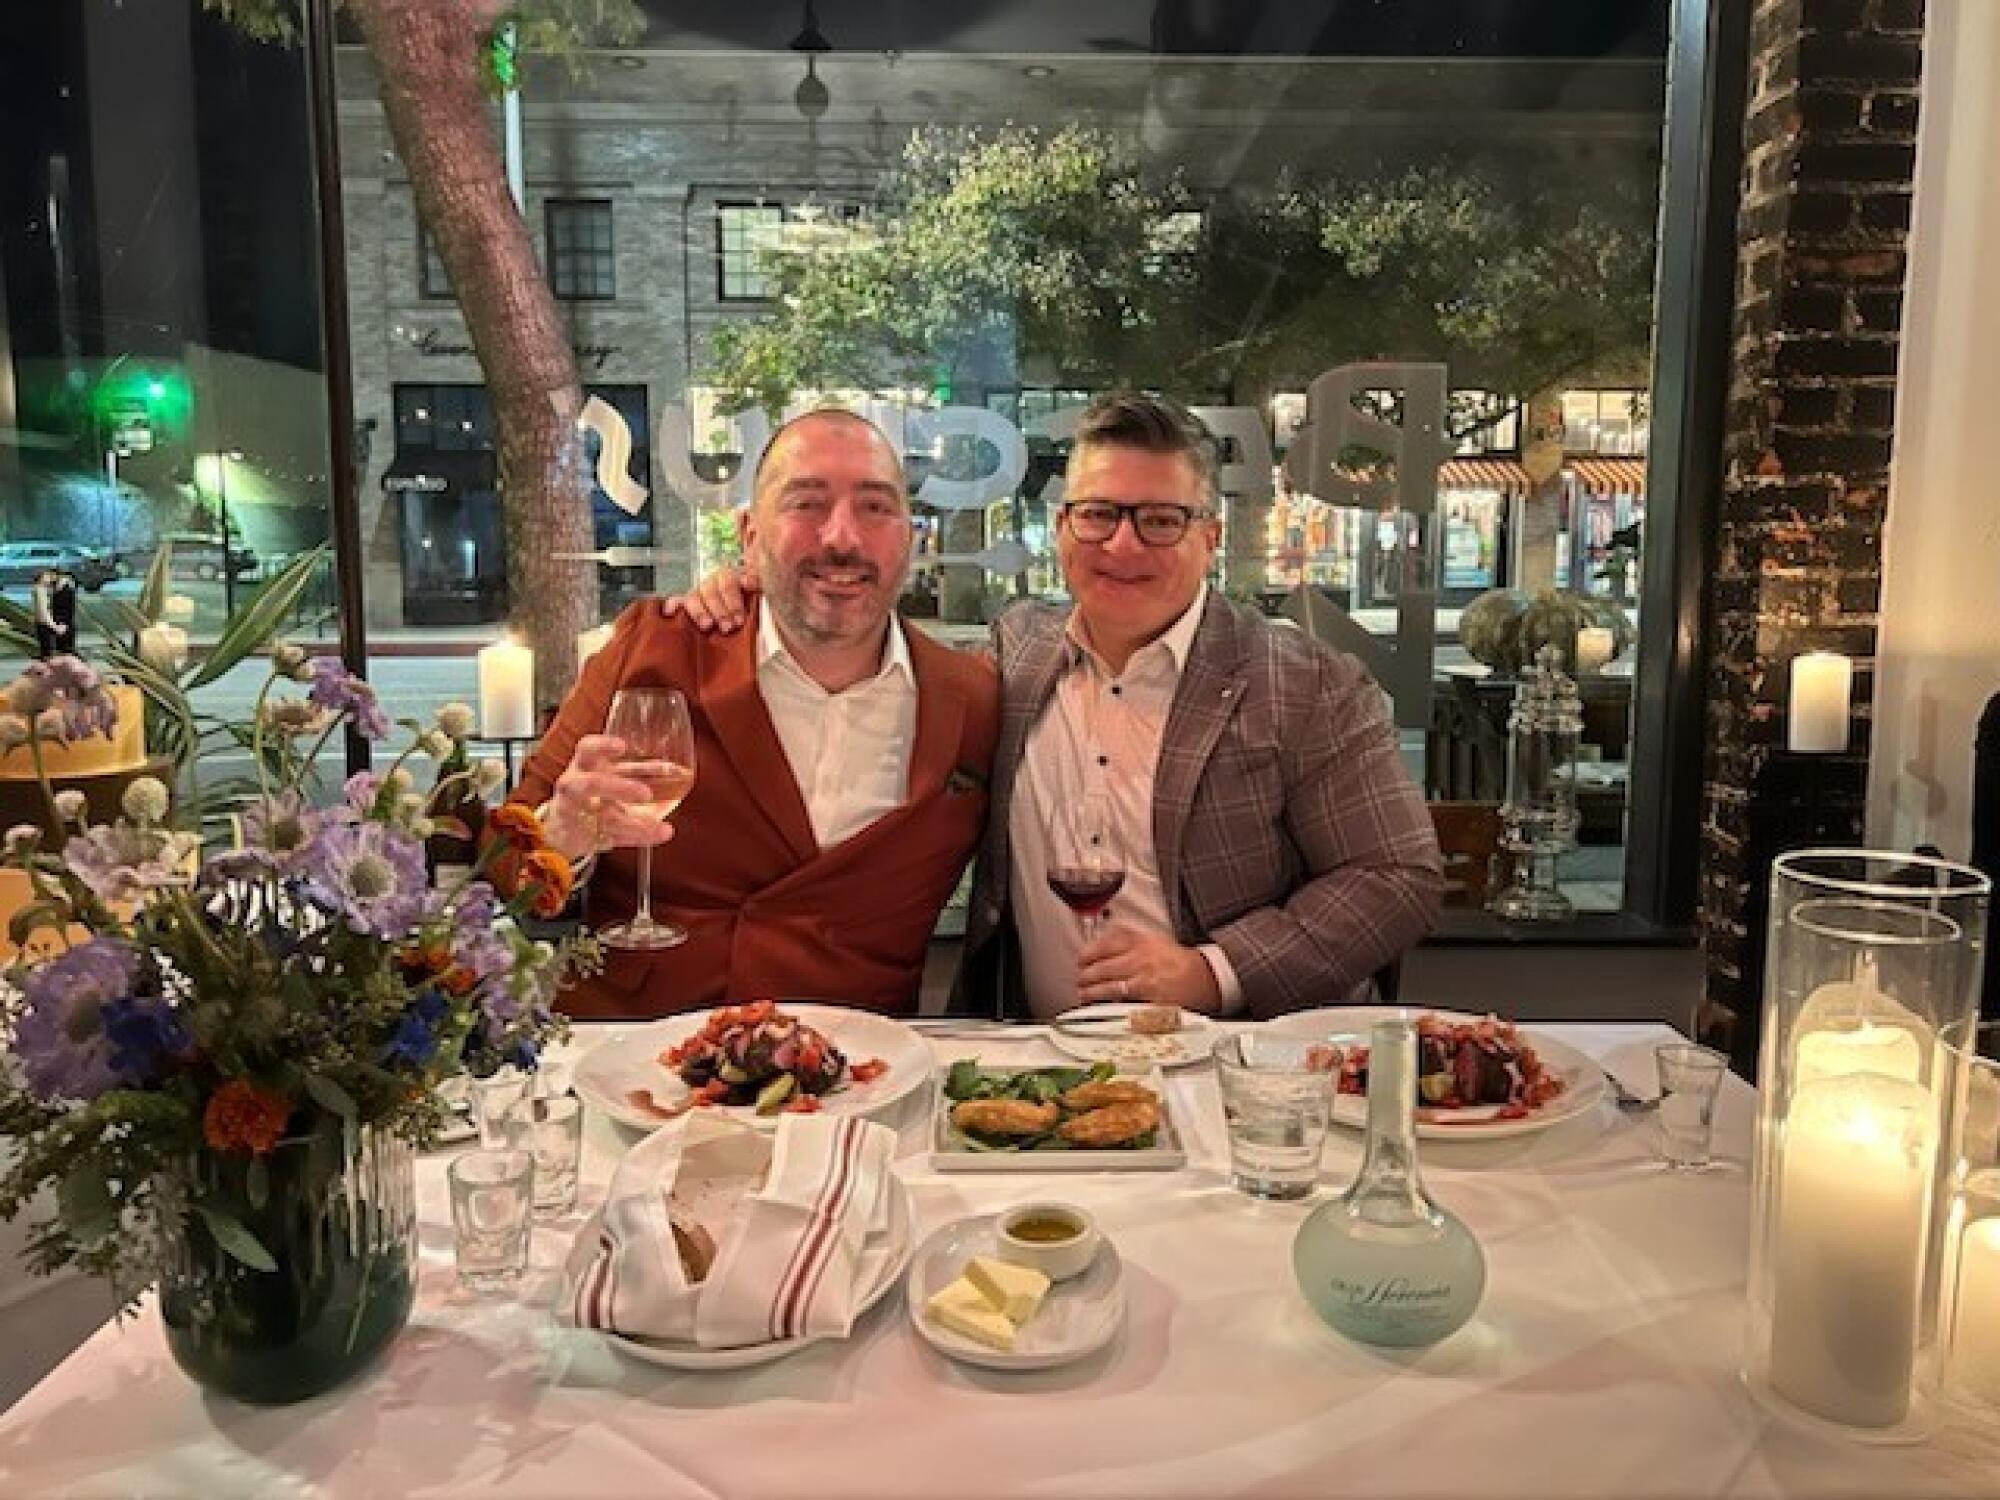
column 549, row 878
column 517, row 824
column 242, row 1117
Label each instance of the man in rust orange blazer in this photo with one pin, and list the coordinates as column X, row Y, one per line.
column 841, row 761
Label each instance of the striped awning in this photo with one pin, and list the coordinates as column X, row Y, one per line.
column 1610, row 476
column 1502, row 474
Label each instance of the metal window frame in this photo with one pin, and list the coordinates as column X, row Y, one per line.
column 1694, row 302
column 571, row 255
column 722, row 208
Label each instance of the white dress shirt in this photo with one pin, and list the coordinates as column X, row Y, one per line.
column 849, row 751
column 1098, row 739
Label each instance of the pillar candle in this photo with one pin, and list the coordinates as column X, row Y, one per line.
column 590, row 642
column 1975, row 1322
column 1848, row 1247
column 1593, row 648
column 1888, row 1050
column 163, row 647
column 1822, row 687
column 507, row 691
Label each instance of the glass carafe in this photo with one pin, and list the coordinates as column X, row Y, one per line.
column 1382, row 1263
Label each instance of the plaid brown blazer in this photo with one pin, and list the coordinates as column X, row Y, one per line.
column 1288, row 830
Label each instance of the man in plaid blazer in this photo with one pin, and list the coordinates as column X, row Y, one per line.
column 1276, row 851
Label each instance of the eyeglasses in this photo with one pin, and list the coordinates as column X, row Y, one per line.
column 1156, row 522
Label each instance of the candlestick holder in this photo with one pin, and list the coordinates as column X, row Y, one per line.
column 1540, row 811
column 1873, row 964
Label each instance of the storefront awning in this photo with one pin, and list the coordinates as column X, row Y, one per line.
column 1502, row 474
column 1610, row 476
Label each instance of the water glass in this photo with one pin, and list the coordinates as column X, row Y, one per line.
column 1690, row 1078
column 492, row 1097
column 1277, row 1108
column 551, row 1130
column 492, row 1193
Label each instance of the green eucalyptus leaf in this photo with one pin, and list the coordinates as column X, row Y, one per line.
column 235, row 1239
column 331, row 1096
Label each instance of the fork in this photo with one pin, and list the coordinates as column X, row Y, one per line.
column 1629, row 1102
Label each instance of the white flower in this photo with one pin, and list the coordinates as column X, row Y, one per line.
column 399, row 781
column 23, row 839
column 489, row 776
column 455, row 720
column 422, row 828
column 145, row 800
column 434, row 743
column 286, row 659
column 70, row 806
column 409, row 807
column 13, row 732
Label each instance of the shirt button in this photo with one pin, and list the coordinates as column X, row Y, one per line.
column 1104, row 760
column 1117, row 690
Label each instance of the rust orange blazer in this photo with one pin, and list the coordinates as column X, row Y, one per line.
column 767, row 911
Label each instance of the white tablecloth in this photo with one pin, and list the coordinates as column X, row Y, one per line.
column 1603, row 1362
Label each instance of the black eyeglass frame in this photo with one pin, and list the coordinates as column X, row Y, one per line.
column 1187, row 516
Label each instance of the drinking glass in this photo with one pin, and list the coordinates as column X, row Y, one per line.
column 492, row 1193
column 1690, row 1077
column 492, row 1097
column 659, row 754
column 1086, row 865
column 1276, row 1106
column 551, row 1130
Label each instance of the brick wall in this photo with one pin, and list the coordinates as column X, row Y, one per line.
column 1829, row 152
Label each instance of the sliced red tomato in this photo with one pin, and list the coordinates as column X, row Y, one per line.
column 867, row 1072
column 802, row 1104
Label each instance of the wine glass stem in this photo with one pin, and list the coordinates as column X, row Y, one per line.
column 644, row 916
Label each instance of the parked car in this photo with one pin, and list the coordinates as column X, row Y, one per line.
column 197, row 555
column 22, row 562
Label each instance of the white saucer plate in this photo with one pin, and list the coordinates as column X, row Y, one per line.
column 1077, row 1318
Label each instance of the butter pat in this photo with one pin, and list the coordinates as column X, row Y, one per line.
column 963, row 1308
column 1017, row 1291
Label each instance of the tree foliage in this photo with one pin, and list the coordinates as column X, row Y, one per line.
column 990, row 249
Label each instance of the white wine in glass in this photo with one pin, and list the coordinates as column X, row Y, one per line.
column 659, row 754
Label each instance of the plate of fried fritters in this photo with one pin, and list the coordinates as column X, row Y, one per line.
column 1053, row 1119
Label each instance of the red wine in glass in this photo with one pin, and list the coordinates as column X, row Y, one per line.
column 1084, row 890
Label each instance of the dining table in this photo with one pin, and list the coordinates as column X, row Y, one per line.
column 1604, row 1358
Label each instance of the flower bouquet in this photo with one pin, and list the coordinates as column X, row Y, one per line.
column 222, row 1055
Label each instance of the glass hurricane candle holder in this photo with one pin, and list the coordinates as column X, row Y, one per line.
column 1969, row 1265
column 1540, row 812
column 1873, row 960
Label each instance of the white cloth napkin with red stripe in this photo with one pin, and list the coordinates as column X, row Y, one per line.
column 790, row 1212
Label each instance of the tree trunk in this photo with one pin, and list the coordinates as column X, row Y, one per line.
column 427, row 53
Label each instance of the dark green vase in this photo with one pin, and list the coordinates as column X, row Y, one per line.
column 339, row 1220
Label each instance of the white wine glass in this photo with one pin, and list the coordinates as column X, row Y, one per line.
column 659, row 755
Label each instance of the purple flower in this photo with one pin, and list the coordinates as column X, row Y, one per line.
column 122, row 863
column 372, row 874
column 61, row 1040
column 282, row 827
column 68, row 689
column 340, row 691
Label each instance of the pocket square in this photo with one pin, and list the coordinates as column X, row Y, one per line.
column 962, row 781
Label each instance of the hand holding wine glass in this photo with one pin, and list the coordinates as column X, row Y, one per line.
column 657, row 739
column 593, row 806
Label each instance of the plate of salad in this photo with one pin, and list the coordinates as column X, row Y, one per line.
column 1063, row 1119
column 757, row 1061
